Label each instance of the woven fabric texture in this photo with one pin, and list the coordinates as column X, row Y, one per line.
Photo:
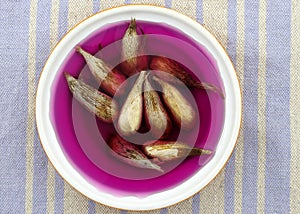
column 262, row 37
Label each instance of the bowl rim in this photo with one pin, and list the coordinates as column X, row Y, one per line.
column 68, row 173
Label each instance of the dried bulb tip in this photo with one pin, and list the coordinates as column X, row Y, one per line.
column 132, row 26
column 67, row 75
column 78, row 49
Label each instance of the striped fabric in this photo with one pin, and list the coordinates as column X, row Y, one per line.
column 262, row 38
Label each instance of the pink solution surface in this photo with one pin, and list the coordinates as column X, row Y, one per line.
column 83, row 138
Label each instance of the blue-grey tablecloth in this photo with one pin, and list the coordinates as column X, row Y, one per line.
column 262, row 38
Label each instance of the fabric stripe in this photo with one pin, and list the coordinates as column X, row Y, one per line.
column 100, row 209
column 63, row 17
column 196, row 204
column 295, row 110
column 109, row 4
column 51, row 189
column 261, row 120
column 78, row 11
column 164, row 211
column 239, row 150
column 250, row 104
column 182, row 207
column 231, row 48
column 40, row 159
column 278, row 155
column 74, row 202
column 42, row 39
column 168, row 3
column 39, row 178
column 59, row 193
column 96, row 6
column 212, row 197
column 216, row 20
column 232, row 29
column 199, row 11
column 92, row 207
column 186, row 7
column 13, row 101
column 54, row 17
column 30, row 114
column 50, row 171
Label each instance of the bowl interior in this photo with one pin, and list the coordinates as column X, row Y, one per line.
column 83, row 138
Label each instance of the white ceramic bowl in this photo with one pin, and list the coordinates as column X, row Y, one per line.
column 232, row 108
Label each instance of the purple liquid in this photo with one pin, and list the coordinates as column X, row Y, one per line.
column 83, row 141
